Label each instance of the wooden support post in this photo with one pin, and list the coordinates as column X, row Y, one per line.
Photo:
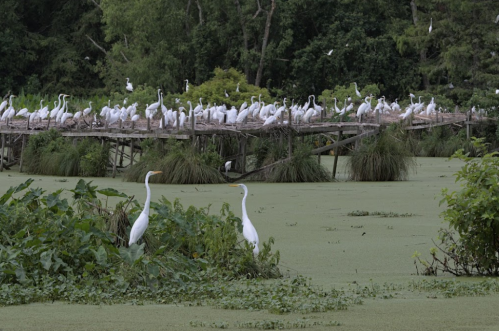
column 290, row 142
column 121, row 123
column 209, row 116
column 193, row 129
column 2, row 152
column 377, row 116
column 48, row 123
column 178, row 120
column 290, row 117
column 319, row 144
column 148, row 124
column 133, row 125
column 116, row 156
column 10, row 155
column 22, row 153
column 106, row 125
column 163, row 124
column 243, row 154
column 468, row 125
column 336, row 150
column 122, row 153
column 131, row 151
column 27, row 123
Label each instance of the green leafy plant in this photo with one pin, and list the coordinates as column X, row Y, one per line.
column 471, row 244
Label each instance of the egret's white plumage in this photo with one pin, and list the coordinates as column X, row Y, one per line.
column 249, row 231
column 129, row 85
column 140, row 225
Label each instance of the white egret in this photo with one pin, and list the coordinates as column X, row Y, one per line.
column 226, row 94
column 431, row 25
column 129, row 85
column 249, row 231
column 227, row 167
column 186, row 85
column 329, row 53
column 357, row 91
column 154, row 106
column 237, row 88
column 141, row 223
column 87, row 111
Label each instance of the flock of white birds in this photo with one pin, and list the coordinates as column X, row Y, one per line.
column 255, row 110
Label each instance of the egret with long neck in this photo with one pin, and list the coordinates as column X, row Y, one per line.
column 140, row 225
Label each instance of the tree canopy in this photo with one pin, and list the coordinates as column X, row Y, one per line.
column 92, row 46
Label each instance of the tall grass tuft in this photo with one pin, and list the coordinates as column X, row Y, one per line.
column 443, row 142
column 48, row 153
column 302, row 167
column 181, row 164
column 382, row 158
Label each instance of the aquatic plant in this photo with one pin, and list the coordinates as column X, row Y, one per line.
column 382, row 158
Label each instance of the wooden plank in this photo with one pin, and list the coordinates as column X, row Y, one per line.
column 259, row 169
column 344, row 142
column 427, row 126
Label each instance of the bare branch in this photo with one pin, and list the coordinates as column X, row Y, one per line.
column 96, row 45
column 126, row 41
column 201, row 21
column 96, row 4
column 259, row 9
column 124, row 56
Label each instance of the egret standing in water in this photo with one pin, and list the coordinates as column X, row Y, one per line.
column 140, row 225
column 249, row 231
column 227, row 167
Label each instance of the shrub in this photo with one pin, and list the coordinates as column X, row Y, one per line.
column 382, row 158
column 471, row 244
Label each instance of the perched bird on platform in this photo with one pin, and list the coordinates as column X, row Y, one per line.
column 141, row 223
column 357, row 91
column 249, row 231
column 87, row 111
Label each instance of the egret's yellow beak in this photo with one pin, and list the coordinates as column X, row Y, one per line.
column 234, row 185
column 157, row 172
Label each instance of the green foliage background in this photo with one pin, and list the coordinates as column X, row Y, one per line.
column 88, row 48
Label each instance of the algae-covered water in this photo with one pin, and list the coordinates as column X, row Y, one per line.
column 316, row 239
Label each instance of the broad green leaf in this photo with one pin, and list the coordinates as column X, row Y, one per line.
column 133, row 253
column 111, row 192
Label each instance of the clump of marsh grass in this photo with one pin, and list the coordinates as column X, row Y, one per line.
column 49, row 153
column 182, row 164
column 443, row 142
column 302, row 167
column 382, row 158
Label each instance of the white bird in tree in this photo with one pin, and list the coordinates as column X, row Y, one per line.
column 329, row 53
column 226, row 94
column 237, row 88
column 249, row 231
column 497, row 19
column 431, row 25
column 129, row 85
column 186, row 85
column 141, row 223
column 357, row 91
